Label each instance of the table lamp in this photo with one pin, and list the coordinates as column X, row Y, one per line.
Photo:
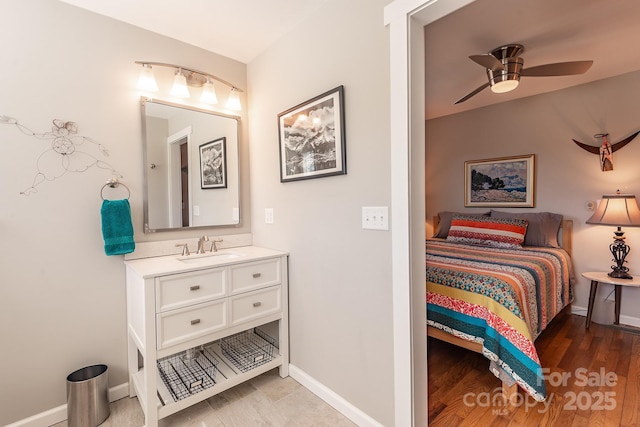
column 618, row 210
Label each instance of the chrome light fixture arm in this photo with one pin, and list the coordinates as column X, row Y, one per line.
column 190, row 70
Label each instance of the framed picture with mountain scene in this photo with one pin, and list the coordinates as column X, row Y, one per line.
column 501, row 182
column 213, row 164
column 312, row 138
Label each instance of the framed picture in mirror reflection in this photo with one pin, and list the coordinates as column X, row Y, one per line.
column 213, row 164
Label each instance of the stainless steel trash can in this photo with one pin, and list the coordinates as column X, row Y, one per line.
column 88, row 396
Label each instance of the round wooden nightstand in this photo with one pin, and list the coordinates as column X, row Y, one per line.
column 602, row 277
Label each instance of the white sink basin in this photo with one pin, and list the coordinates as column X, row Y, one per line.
column 208, row 257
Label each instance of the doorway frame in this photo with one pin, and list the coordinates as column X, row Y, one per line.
column 174, row 175
column 406, row 20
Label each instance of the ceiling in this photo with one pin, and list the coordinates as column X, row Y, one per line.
column 550, row 30
column 237, row 29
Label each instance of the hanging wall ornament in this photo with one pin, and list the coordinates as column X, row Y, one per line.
column 66, row 153
column 606, row 149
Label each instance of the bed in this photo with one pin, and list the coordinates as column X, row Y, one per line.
column 490, row 290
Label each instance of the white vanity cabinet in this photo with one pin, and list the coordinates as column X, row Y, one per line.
column 231, row 307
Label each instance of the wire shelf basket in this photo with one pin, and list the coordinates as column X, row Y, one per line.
column 248, row 349
column 188, row 372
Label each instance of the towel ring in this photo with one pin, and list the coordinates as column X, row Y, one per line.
column 113, row 183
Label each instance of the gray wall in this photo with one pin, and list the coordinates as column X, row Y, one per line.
column 63, row 300
column 566, row 175
column 340, row 291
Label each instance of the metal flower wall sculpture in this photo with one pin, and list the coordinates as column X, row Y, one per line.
column 64, row 155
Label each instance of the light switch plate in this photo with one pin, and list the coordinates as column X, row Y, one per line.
column 268, row 215
column 375, row 217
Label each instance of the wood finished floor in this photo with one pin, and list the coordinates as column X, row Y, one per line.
column 601, row 386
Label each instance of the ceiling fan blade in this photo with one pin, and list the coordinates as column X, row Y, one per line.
column 488, row 61
column 558, row 69
column 475, row 92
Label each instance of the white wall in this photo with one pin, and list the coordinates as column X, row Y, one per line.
column 340, row 290
column 62, row 300
column 566, row 175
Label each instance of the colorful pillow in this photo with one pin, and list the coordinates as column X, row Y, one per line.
column 444, row 222
column 487, row 231
column 542, row 229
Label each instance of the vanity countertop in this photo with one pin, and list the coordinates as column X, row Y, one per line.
column 170, row 264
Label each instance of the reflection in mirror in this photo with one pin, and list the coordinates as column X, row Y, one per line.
column 191, row 167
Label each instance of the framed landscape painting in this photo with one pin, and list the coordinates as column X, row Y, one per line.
column 312, row 138
column 501, row 182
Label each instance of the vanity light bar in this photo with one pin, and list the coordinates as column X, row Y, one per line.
column 193, row 77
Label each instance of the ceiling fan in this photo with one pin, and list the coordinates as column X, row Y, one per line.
column 505, row 67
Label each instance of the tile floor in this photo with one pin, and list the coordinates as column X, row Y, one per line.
column 266, row 400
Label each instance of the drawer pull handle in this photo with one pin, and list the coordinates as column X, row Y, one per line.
column 257, row 304
column 195, row 287
column 256, row 275
column 195, row 321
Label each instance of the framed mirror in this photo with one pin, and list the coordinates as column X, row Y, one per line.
column 191, row 165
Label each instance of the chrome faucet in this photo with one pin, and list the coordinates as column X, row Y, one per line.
column 214, row 247
column 201, row 244
column 185, row 248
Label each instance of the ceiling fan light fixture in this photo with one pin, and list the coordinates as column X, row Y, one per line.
column 508, row 78
column 504, row 86
column 504, row 67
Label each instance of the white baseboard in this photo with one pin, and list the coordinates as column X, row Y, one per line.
column 59, row 414
column 580, row 311
column 333, row 399
column 624, row 319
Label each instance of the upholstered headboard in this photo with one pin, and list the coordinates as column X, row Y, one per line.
column 566, row 233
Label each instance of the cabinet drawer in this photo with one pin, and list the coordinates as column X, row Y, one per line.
column 252, row 305
column 253, row 275
column 185, row 324
column 181, row 290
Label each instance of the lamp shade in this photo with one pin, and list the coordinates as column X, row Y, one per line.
column 179, row 88
column 233, row 102
column 146, row 81
column 618, row 210
column 208, row 94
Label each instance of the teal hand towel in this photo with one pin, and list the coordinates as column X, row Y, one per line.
column 117, row 229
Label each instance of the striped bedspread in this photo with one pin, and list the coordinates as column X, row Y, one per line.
column 500, row 298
